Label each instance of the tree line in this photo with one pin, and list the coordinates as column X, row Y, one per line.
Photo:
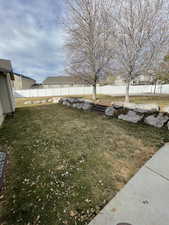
column 127, row 37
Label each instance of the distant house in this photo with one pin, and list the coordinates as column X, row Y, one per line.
column 61, row 81
column 144, row 79
column 120, row 80
column 139, row 80
column 22, row 82
column 7, row 102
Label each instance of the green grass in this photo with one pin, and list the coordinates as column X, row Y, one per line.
column 65, row 164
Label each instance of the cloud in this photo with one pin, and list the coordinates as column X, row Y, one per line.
column 32, row 37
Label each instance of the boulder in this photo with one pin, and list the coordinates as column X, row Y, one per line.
column 129, row 105
column 131, row 116
column 117, row 105
column 27, row 102
column 142, row 108
column 65, row 102
column 70, row 100
column 87, row 106
column 110, row 111
column 157, row 120
column 43, row 101
column 74, row 100
column 166, row 109
column 74, row 105
column 56, row 100
column 61, row 100
column 50, row 100
column 79, row 105
column 147, row 108
column 37, row 102
column 87, row 101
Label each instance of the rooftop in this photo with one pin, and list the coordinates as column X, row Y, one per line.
column 6, row 67
column 21, row 75
column 60, row 80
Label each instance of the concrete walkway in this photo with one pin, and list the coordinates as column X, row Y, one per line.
column 145, row 198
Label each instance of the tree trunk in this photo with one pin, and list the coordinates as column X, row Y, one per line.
column 155, row 87
column 94, row 92
column 127, row 91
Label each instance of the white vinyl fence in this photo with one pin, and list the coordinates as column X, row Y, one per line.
column 107, row 90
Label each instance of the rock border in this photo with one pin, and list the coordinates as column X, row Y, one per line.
column 78, row 103
column 135, row 113
column 139, row 113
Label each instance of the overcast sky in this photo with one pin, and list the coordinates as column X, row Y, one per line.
column 32, row 37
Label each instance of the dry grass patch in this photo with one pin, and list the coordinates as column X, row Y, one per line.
column 66, row 164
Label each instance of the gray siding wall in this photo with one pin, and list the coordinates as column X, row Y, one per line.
column 6, row 94
column 27, row 83
column 17, row 83
column 11, row 94
column 22, row 83
column 1, row 114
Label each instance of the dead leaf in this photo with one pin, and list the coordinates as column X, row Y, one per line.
column 73, row 213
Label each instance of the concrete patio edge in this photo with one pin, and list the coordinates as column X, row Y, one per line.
column 144, row 199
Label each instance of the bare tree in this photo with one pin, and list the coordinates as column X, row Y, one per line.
column 140, row 32
column 88, row 40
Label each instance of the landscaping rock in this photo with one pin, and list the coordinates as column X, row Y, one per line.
column 129, row 105
column 60, row 100
column 78, row 103
column 36, row 102
column 131, row 116
column 70, row 100
column 27, row 102
column 74, row 105
column 74, row 100
column 87, row 106
column 142, row 108
column 110, row 111
column 157, row 121
column 43, row 101
column 147, row 108
column 88, row 101
column 117, row 105
column 50, row 100
column 56, row 100
column 66, row 103
column 78, row 106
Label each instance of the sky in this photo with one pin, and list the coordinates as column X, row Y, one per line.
column 32, row 37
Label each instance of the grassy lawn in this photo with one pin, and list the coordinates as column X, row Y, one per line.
column 161, row 100
column 65, row 164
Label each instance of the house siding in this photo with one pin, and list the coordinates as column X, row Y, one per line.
column 27, row 83
column 7, row 99
column 45, row 86
column 1, row 114
column 21, row 82
column 17, row 83
column 10, row 93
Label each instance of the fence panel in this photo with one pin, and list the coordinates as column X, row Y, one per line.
column 106, row 90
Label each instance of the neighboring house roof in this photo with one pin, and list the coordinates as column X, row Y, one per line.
column 20, row 75
column 60, row 80
column 6, row 67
